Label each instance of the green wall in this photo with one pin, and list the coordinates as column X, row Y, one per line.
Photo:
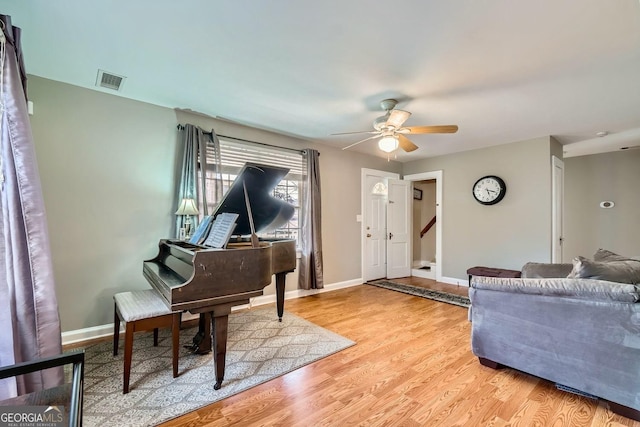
column 108, row 166
column 505, row 235
column 590, row 180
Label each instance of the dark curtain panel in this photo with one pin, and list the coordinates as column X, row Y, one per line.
column 310, row 269
column 195, row 144
column 28, row 305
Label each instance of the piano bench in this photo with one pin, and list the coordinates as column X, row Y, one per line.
column 143, row 311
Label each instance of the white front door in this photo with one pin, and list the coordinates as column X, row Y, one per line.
column 557, row 191
column 399, row 229
column 375, row 228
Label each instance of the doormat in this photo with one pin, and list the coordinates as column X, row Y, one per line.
column 418, row 291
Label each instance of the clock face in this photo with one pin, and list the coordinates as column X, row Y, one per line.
column 489, row 190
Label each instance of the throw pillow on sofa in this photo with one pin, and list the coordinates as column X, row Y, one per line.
column 621, row 271
column 603, row 255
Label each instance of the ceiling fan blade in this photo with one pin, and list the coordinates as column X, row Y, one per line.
column 351, row 133
column 406, row 144
column 363, row 140
column 397, row 118
column 431, row 129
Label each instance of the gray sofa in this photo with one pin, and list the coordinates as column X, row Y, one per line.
column 581, row 332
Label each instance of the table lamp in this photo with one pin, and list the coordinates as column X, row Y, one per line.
column 187, row 207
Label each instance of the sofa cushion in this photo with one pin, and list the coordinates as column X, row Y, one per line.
column 621, row 271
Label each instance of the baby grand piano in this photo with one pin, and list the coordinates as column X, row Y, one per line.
column 210, row 281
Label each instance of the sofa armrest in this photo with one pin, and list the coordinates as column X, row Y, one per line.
column 588, row 289
column 537, row 270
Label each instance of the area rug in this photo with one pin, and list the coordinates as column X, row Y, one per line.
column 423, row 292
column 259, row 348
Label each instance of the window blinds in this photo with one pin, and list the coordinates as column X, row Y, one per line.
column 235, row 154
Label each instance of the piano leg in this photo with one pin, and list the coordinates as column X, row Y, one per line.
column 280, row 282
column 218, row 315
column 219, row 325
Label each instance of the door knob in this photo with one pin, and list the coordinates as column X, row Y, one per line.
column 390, row 236
column 368, row 235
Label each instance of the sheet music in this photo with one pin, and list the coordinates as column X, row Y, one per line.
column 201, row 231
column 221, row 230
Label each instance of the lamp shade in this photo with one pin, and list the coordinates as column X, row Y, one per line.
column 187, row 207
column 388, row 144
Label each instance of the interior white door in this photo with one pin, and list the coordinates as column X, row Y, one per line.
column 557, row 207
column 399, row 229
column 375, row 227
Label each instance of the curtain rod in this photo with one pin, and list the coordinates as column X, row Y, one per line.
column 181, row 127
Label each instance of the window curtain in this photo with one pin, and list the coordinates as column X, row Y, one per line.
column 195, row 150
column 28, row 305
column 215, row 168
column 310, row 267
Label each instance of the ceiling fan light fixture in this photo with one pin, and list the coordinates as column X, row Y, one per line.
column 388, row 144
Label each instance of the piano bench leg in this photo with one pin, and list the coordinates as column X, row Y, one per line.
column 116, row 329
column 128, row 352
column 155, row 337
column 153, row 323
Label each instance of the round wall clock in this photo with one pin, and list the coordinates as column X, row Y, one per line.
column 489, row 190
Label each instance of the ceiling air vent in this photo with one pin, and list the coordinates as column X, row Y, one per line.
column 109, row 80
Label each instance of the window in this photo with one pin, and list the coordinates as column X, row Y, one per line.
column 379, row 189
column 234, row 154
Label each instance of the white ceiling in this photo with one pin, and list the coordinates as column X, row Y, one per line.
column 502, row 70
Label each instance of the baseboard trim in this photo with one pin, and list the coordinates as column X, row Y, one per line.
column 86, row 334
column 425, row 274
column 300, row 293
column 102, row 331
column 454, row 281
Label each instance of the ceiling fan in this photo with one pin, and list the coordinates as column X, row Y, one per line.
column 391, row 133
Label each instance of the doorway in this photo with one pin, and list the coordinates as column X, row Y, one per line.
column 557, row 208
column 435, row 179
column 423, row 233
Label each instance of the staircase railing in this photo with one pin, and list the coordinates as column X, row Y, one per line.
column 428, row 227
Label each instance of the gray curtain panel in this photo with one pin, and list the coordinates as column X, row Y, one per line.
column 214, row 171
column 310, row 269
column 28, row 306
column 195, row 143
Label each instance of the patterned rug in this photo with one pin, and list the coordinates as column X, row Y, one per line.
column 423, row 292
column 259, row 348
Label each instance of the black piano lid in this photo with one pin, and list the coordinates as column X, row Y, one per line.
column 268, row 212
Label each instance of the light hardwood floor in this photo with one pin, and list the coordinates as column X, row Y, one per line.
column 412, row 366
